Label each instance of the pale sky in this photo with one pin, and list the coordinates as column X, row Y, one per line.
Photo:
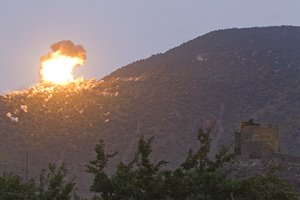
column 116, row 33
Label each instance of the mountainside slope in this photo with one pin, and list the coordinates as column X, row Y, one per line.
column 225, row 76
column 232, row 75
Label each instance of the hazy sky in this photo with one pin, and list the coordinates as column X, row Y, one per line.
column 116, row 33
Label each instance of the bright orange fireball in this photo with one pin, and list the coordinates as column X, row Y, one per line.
column 59, row 68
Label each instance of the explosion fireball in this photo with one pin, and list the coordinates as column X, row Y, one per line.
column 57, row 66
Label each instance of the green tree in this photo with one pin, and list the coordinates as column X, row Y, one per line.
column 197, row 178
column 140, row 179
column 12, row 187
column 102, row 184
column 264, row 187
column 53, row 184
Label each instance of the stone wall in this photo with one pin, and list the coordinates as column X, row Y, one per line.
column 255, row 141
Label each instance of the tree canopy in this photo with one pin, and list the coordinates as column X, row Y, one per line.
column 197, row 178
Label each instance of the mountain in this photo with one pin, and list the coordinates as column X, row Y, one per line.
column 221, row 78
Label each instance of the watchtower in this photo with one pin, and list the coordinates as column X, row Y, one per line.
column 255, row 141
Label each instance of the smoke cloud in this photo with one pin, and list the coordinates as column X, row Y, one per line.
column 67, row 48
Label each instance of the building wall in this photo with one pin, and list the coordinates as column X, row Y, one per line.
column 255, row 141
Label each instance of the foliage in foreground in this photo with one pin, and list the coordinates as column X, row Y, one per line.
column 51, row 185
column 198, row 177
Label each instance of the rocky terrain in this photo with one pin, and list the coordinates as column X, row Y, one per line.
column 225, row 76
